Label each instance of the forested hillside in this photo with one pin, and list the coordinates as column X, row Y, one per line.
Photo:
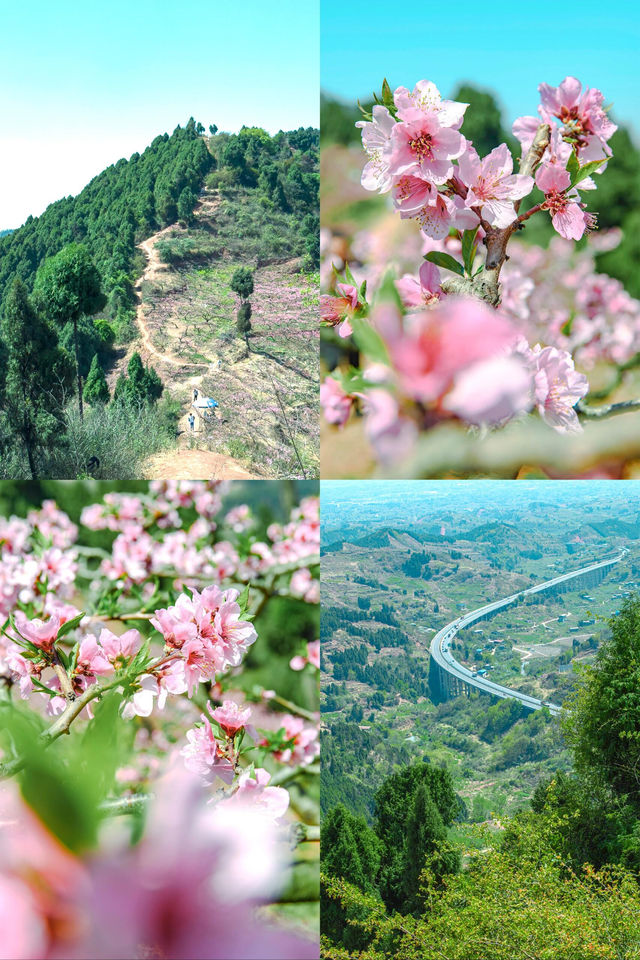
column 76, row 268
column 558, row 881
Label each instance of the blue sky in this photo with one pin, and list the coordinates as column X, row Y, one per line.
column 507, row 47
column 84, row 84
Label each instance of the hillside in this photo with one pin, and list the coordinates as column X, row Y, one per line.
column 166, row 230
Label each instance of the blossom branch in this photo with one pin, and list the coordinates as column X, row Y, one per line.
column 610, row 410
column 486, row 285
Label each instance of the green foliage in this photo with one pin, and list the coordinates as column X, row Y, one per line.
column 242, row 282
column 243, row 321
column 141, row 385
column 96, row 389
column 121, row 206
column 603, row 719
column 66, row 783
column 68, row 285
column 395, row 804
column 37, row 376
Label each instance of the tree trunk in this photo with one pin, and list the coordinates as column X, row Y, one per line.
column 78, row 377
column 32, row 466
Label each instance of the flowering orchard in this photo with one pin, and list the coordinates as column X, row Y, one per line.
column 488, row 330
column 159, row 735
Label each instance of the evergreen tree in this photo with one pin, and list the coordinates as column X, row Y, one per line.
column 186, row 202
column 425, row 845
column 351, row 851
column 243, row 322
column 95, row 388
column 68, row 286
column 37, row 375
column 603, row 717
column 242, row 282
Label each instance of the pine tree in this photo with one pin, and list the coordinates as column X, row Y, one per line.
column 95, row 388
column 66, row 287
column 37, row 375
column 350, row 850
column 243, row 322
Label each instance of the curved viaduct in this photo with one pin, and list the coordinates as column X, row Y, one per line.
column 449, row 678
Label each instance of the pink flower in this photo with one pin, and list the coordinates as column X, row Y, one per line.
column 41, row 633
column 426, row 98
column 391, row 434
column 303, row 585
column 230, row 717
column 423, row 291
column 492, row 185
column 204, row 755
column 424, row 148
column 567, row 215
column 313, row 657
column 491, row 391
column 120, row 649
column 558, row 387
column 585, row 122
column 305, row 746
column 91, row 659
column 336, row 404
column 438, row 344
column 273, row 802
column 376, row 140
column 338, row 310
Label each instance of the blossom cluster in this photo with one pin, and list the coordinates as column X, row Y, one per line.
column 438, row 347
column 162, row 618
column 435, row 176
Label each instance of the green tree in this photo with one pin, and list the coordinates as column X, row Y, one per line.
column 242, row 282
column 603, row 716
column 351, row 851
column 424, row 846
column 243, row 321
column 67, row 287
column 186, row 202
column 393, row 803
column 37, row 374
column 96, row 389
column 141, row 385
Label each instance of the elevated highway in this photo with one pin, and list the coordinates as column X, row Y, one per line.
column 451, row 678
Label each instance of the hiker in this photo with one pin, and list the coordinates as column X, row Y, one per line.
column 195, row 394
column 192, row 422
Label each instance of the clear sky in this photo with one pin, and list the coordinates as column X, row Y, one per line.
column 84, row 83
column 504, row 46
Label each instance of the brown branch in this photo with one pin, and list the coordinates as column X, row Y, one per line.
column 486, row 285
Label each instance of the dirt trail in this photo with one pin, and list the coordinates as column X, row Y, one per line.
column 183, row 462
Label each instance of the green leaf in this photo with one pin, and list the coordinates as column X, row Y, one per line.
column 573, row 165
column 586, row 170
column 243, row 601
column 387, row 95
column 349, row 276
column 369, row 341
column 469, row 249
column 70, row 625
column 445, row 260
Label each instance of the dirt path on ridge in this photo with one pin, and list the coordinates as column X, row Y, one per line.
column 184, row 462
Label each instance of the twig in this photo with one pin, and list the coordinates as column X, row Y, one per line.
column 610, row 410
column 293, row 708
column 126, row 805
